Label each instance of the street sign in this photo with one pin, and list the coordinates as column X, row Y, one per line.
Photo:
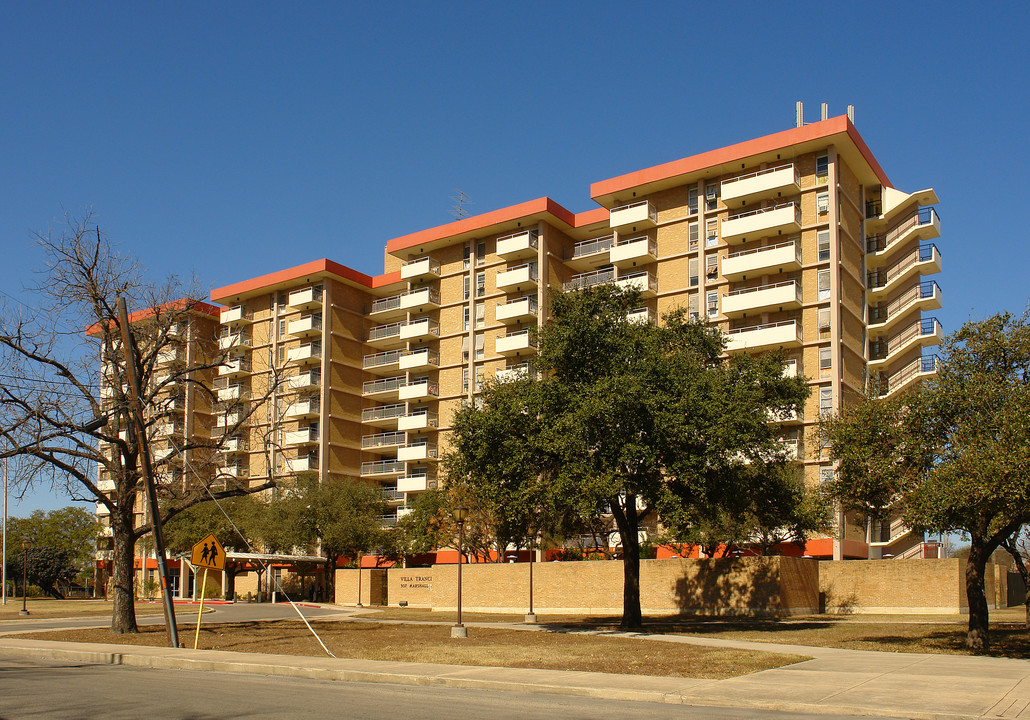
column 208, row 553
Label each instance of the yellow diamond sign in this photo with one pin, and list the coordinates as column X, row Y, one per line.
column 209, row 553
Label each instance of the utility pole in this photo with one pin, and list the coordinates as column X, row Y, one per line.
column 4, row 561
column 136, row 413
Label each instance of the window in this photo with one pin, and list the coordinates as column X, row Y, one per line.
column 825, row 475
column 711, row 232
column 712, row 265
column 712, row 304
column 480, row 346
column 822, row 203
column 823, row 240
column 280, row 354
column 480, row 254
column 282, row 327
column 465, row 318
column 467, row 285
column 692, row 311
column 479, row 379
column 692, row 200
column 711, row 196
column 693, row 232
column 468, row 255
column 824, row 284
column 822, row 169
column 825, row 361
column 825, row 400
column 824, row 318
column 480, row 315
column 464, row 348
column 464, row 379
column 282, row 301
column 480, row 284
column 692, row 271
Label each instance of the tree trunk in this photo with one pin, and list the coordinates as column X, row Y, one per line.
column 628, row 527
column 978, row 637
column 123, row 614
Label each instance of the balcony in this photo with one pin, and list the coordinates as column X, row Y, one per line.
column 907, row 376
column 923, row 332
column 309, row 354
column 590, row 253
column 517, row 277
column 763, row 222
column 420, row 268
column 766, row 298
column 306, row 299
column 640, row 316
column 644, row 283
column 924, row 296
column 387, row 387
column 516, row 342
column 769, row 260
column 167, row 429
column 420, row 299
column 235, row 342
column 381, row 442
column 382, row 363
column 307, row 436
column 384, row 415
column 518, row 245
column 640, row 214
column 418, row 420
column 512, row 372
column 517, row 310
column 382, row 468
column 633, row 251
column 391, row 494
column 761, row 337
column 420, row 359
column 922, row 260
column 308, row 326
column 231, row 392
column 309, row 407
column 236, row 316
column 769, row 183
column 226, row 420
column 168, row 356
column 417, row 451
column 585, row 280
column 234, row 445
column 309, row 380
column 302, row 464
column 923, row 224
column 386, row 335
column 234, row 368
column 386, row 307
column 420, row 329
column 234, row 471
column 415, row 483
column 418, row 390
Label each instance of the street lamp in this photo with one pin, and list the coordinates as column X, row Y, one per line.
column 26, row 545
column 460, row 513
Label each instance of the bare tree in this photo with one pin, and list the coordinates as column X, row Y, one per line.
column 63, row 392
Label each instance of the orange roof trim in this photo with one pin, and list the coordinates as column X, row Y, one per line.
column 312, row 268
column 199, row 306
column 732, row 153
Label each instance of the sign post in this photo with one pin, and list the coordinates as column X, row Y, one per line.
column 210, row 555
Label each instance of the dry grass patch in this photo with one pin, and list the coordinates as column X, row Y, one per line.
column 484, row 646
column 40, row 608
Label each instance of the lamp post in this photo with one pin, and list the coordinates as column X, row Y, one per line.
column 460, row 513
column 26, row 545
column 531, row 616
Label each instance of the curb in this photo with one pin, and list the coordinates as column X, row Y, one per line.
column 438, row 676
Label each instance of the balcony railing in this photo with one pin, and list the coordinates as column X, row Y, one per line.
column 383, row 412
column 642, row 282
column 639, row 213
column 306, row 298
column 390, row 357
column 382, row 467
column 923, row 291
column 925, row 253
column 373, row 387
column 419, row 267
column 924, row 365
column 383, row 440
column 761, row 182
column 381, row 332
column 586, row 248
column 585, row 280
column 919, row 218
column 925, row 327
column 384, row 304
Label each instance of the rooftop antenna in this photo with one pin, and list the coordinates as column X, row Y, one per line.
column 851, row 114
column 825, row 111
column 461, row 199
column 799, row 114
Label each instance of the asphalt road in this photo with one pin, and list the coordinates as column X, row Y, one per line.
column 67, row 691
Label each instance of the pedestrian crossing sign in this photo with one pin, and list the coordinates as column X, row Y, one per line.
column 209, row 553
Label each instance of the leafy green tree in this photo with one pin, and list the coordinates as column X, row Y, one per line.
column 953, row 456
column 66, row 537
column 640, row 418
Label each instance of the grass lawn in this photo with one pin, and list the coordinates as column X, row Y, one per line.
column 433, row 644
column 46, row 608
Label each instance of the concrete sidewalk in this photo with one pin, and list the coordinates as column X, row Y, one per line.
column 833, row 681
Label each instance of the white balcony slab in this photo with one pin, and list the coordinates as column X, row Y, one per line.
column 640, row 214
column 762, row 223
column 783, row 334
column 635, row 251
column 521, row 276
column 781, row 296
column 422, row 267
column 771, row 260
column 516, row 310
column 779, row 181
column 517, row 245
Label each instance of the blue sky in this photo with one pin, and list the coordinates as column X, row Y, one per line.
column 228, row 140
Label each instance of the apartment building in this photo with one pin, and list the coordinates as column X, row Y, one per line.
column 795, row 242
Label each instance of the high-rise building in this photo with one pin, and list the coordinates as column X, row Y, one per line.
column 795, row 241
